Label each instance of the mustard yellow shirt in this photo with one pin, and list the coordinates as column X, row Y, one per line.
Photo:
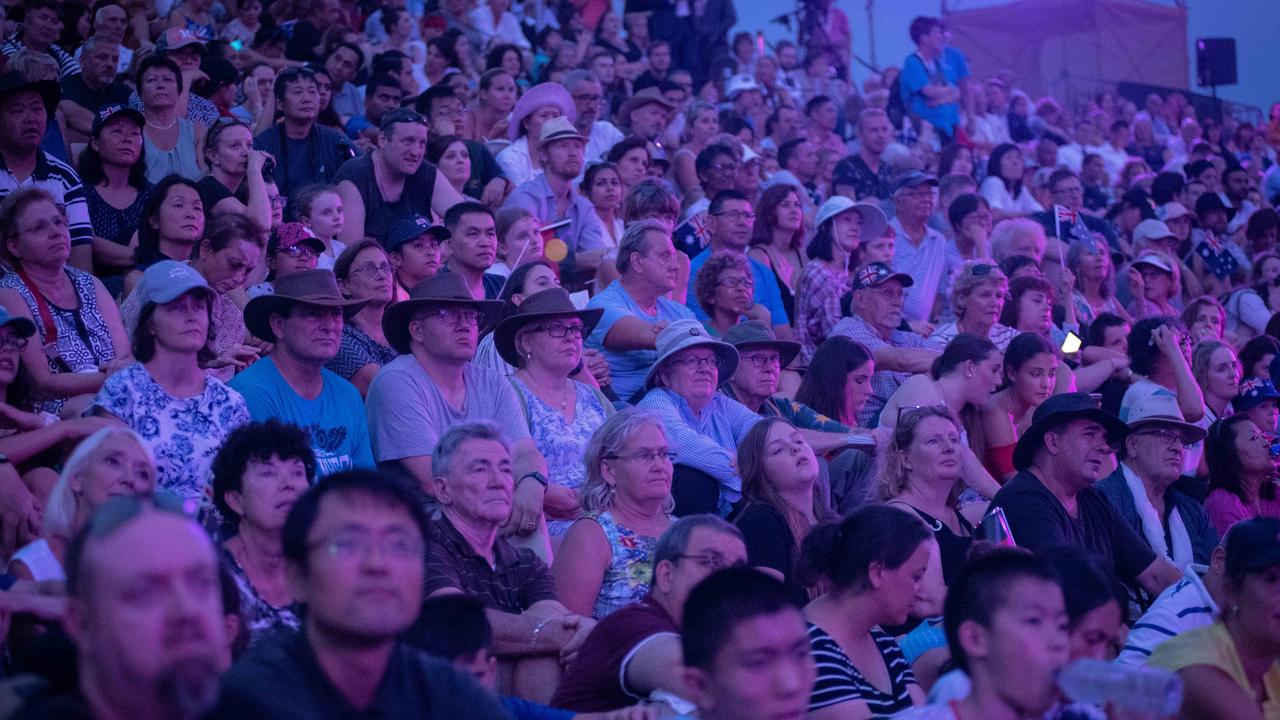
column 1211, row 645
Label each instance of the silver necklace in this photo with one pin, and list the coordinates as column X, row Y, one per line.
column 163, row 127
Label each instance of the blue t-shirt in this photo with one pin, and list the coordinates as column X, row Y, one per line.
column 521, row 709
column 950, row 69
column 766, row 290
column 627, row 368
column 334, row 419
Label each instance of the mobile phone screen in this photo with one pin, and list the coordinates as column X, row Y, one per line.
column 1071, row 344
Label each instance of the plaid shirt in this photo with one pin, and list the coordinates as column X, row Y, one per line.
column 818, row 305
column 883, row 382
column 516, row 581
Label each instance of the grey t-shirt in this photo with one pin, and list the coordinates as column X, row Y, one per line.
column 408, row 414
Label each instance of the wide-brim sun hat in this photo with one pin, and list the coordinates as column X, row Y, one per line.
column 444, row 289
column 873, row 220
column 1060, row 409
column 684, row 334
column 546, row 304
column 304, row 287
column 536, row 97
column 1161, row 410
column 753, row 335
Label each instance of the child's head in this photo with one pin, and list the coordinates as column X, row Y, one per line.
column 454, row 628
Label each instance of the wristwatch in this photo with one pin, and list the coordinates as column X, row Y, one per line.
column 542, row 479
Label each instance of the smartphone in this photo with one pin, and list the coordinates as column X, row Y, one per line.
column 237, row 45
column 1071, row 344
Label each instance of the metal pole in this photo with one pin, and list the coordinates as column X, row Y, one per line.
column 871, row 31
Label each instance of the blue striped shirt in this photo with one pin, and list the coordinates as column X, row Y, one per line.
column 1183, row 606
column 59, row 180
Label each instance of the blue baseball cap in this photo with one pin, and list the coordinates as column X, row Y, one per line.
column 412, row 228
column 168, row 280
column 1253, row 392
column 22, row 326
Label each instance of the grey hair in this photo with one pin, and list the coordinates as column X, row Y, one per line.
column 1007, row 231
column 35, row 66
column 575, row 77
column 94, row 40
column 60, row 511
column 675, row 541
column 596, row 494
column 443, row 456
column 635, row 240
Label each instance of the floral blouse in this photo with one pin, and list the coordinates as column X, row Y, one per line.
column 818, row 305
column 630, row 566
column 260, row 617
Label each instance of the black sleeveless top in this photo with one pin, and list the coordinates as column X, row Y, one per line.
column 380, row 215
column 954, row 547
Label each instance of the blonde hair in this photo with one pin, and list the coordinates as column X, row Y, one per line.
column 894, row 478
column 964, row 282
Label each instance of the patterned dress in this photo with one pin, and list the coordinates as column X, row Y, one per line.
column 630, row 566
column 261, row 617
column 228, row 327
column 358, row 350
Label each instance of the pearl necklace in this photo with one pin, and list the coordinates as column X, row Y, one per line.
column 163, row 127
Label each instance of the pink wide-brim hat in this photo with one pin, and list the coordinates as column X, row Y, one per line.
column 536, row 97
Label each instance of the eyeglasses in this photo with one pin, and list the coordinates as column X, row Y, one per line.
column 763, row 360
column 45, row 226
column 457, row 316
column 113, row 513
column 647, row 457
column 737, row 215
column 348, row 546
column 559, row 330
column 372, row 270
column 278, row 201
column 734, row 283
column 593, row 99
column 696, row 363
column 713, row 560
column 300, row 251
column 1167, row 437
column 924, row 410
column 13, row 342
column 724, row 167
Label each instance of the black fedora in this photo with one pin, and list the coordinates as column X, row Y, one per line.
column 543, row 305
column 444, row 289
column 14, row 82
column 304, row 287
column 1060, row 409
column 754, row 334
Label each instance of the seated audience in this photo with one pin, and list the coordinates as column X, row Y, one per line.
column 319, row 208
column 364, row 272
column 472, row 248
column 1242, row 481
column 519, row 240
column 290, row 248
column 1258, row 400
column 1192, row 602
column 723, row 288
column 778, row 234
column 237, row 181
column 116, row 189
column 171, row 227
column 1029, row 376
column 978, row 291
column 1217, row 371
column 525, row 281
column 414, row 246
column 1160, row 353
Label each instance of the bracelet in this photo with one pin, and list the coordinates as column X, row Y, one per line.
column 533, row 644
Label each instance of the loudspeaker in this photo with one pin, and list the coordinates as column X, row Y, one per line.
column 1215, row 61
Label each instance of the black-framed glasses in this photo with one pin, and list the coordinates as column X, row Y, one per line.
column 713, row 560
column 733, row 283
column 372, row 270
column 1167, row 437
column 697, row 363
column 113, row 513
column 559, row 330
column 457, row 316
column 762, row 360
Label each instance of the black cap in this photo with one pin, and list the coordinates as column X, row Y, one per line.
column 1060, row 409
column 110, row 112
column 1253, row 545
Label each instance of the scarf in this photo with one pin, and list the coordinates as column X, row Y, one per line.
column 1153, row 529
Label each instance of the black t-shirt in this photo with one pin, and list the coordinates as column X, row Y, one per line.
column 315, row 158
column 74, row 89
column 1039, row 522
column 379, row 215
column 769, row 544
column 212, row 192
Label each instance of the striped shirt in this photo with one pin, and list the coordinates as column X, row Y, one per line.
column 59, row 180
column 1183, row 606
column 840, row 682
column 67, row 65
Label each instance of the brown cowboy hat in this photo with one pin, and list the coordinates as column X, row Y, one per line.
column 444, row 289
column 305, row 287
column 543, row 305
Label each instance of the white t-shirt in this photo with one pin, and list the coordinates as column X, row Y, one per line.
column 995, row 193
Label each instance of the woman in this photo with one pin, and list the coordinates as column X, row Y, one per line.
column 1217, row 372
column 508, row 59
column 964, row 375
column 181, row 413
column 842, row 224
column 969, row 217
column 1204, row 318
column 397, row 23
column 921, row 472
column 172, row 224
column 450, row 155
column 1095, row 288
column 776, row 239
column 432, row 63
column 289, row 249
column 81, row 338
column 1003, row 187
column 112, row 462
column 519, row 241
column 1249, row 309
column 494, row 22
column 486, row 118
column 1029, row 375
column 1256, row 357
column 724, row 287
column 1030, row 309
column 779, row 479
column 838, row 382
column 529, row 278
column 606, row 559
column 956, row 159
column 173, row 143
column 364, row 273
column 320, row 211
column 701, row 126
column 978, row 291
column 258, row 475
column 1230, row 669
column 1154, row 283
column 521, row 160
column 873, row 561
column 114, row 174
column 1242, row 482
column 235, row 183
column 602, row 185
column 632, row 158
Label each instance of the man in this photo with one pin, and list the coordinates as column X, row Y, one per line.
column 354, row 547
column 1113, row 152
column 875, row 306
column 1066, row 190
column 399, row 66
column 636, row 650
column 659, row 64
column 731, row 220
column 746, row 100
column 823, row 116
column 588, row 99
column 472, row 481
column 798, row 165
column 433, row 386
column 1153, row 111
column 636, row 307
column 552, row 196
column 41, row 27
column 932, row 76
column 414, row 247
column 94, row 88
column 304, row 318
column 472, row 248
column 1052, row 502
column 343, row 63
column 991, row 127
column 789, row 71
column 110, row 23
column 305, row 151
column 25, row 109
column 1097, row 185
column 382, row 94
column 921, row 252
column 646, row 114
column 719, row 168
column 782, row 125
column 1235, row 195
column 746, row 649
column 444, row 110
column 304, row 43
column 1160, row 356
column 704, row 426
column 393, row 182
column 865, row 175
column 155, row 661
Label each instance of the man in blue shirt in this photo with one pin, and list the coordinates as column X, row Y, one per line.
column 731, row 220
column 304, row 319
column 931, row 77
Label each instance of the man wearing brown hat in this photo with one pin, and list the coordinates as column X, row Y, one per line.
column 304, row 321
column 647, row 114
column 433, row 386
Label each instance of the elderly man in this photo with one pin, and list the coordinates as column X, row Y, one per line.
column 920, row 251
column 304, row 319
column 353, row 547
column 1052, row 502
column 647, row 114
column 865, row 175
column 874, row 315
column 94, row 88
column 1067, row 190
column 472, row 481
column 636, row 650
column 703, row 425
column 40, row 29
column 635, row 306
column 1141, row 490
column 552, row 196
column 110, row 23
column 588, row 98
column 145, row 615
column 393, row 182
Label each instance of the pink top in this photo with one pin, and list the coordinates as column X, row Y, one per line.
column 1225, row 509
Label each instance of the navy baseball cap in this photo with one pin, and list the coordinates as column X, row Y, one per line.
column 414, row 227
column 110, row 112
column 876, row 274
column 911, row 179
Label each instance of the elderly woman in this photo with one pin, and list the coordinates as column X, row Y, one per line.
column 606, row 559
column 978, row 291
column 180, row 412
column 724, row 287
column 172, row 224
column 779, row 481
column 80, row 337
column 111, row 462
column 1241, row 474
column 258, row 474
column 173, row 143
column 1029, row 308
column 364, row 273
column 842, row 224
column 705, row 427
column 1029, row 376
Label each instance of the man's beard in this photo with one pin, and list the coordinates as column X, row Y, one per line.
column 189, row 687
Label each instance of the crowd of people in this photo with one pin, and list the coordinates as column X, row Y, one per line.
column 456, row 359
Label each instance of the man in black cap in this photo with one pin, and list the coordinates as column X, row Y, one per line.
column 1051, row 502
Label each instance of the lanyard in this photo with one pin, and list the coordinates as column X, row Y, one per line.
column 42, row 307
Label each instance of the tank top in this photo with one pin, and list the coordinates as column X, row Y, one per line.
column 181, row 160
column 626, row 580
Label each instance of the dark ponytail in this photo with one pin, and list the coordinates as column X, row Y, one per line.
column 843, row 552
column 963, row 348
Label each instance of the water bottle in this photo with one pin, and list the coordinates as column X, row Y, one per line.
column 1145, row 691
